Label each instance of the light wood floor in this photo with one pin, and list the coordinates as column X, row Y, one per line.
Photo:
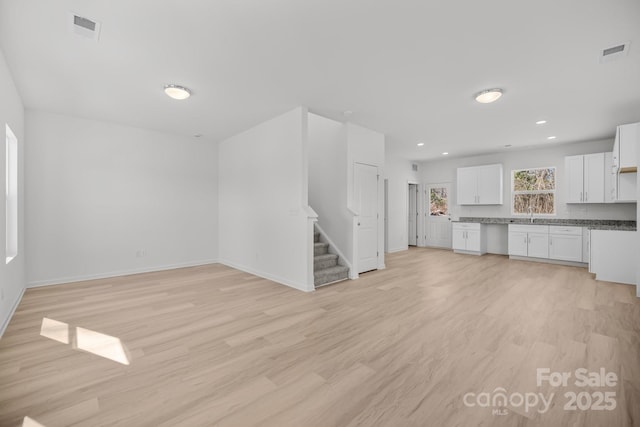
column 400, row 347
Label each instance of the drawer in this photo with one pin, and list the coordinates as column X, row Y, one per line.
column 466, row 226
column 557, row 229
column 522, row 228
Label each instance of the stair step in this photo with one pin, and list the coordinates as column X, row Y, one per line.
column 332, row 274
column 321, row 262
column 316, row 237
column 320, row 248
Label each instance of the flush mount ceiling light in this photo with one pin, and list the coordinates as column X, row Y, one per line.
column 177, row 92
column 551, row 137
column 445, row 154
column 420, row 144
column 541, row 122
column 488, row 96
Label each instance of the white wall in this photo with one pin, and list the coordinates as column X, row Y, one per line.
column 328, row 181
column 263, row 200
column 97, row 193
column 444, row 170
column 399, row 174
column 12, row 275
column 368, row 147
column 638, row 222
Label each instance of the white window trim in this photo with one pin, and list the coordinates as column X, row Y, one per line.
column 514, row 193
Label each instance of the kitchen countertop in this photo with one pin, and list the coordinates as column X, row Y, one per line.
column 593, row 224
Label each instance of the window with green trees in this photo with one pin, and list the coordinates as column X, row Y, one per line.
column 533, row 191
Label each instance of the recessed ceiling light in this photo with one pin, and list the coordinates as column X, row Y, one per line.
column 551, row 137
column 445, row 153
column 488, row 96
column 177, row 92
column 541, row 122
column 420, row 144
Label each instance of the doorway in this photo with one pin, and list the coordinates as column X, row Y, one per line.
column 413, row 215
column 438, row 215
column 366, row 201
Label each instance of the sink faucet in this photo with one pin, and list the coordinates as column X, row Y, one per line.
column 531, row 214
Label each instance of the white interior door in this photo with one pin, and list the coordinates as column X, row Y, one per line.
column 366, row 201
column 413, row 215
column 438, row 217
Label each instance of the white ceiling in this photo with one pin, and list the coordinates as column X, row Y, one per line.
column 406, row 68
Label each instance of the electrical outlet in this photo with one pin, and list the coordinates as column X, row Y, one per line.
column 140, row 253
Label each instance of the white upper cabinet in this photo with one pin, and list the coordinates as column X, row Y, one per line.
column 490, row 185
column 625, row 164
column 574, row 178
column 584, row 176
column 610, row 179
column 467, row 191
column 627, row 137
column 594, row 178
column 480, row 185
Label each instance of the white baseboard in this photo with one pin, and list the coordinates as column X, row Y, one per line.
column 404, row 248
column 6, row 321
column 72, row 279
column 550, row 261
column 298, row 286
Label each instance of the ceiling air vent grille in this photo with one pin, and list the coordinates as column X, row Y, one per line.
column 84, row 27
column 84, row 23
column 614, row 52
column 414, row 167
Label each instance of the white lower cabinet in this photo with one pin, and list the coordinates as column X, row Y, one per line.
column 529, row 240
column 469, row 238
column 614, row 256
column 539, row 244
column 546, row 242
column 518, row 243
column 565, row 243
column 586, row 245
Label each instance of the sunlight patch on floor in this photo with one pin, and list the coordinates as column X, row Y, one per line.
column 30, row 422
column 57, row 331
column 101, row 345
column 93, row 342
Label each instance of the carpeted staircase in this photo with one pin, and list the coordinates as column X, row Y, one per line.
column 326, row 267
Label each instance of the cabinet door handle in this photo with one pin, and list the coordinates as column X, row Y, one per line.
column 581, row 196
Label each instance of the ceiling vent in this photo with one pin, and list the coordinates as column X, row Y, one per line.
column 84, row 27
column 614, row 52
column 414, row 167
